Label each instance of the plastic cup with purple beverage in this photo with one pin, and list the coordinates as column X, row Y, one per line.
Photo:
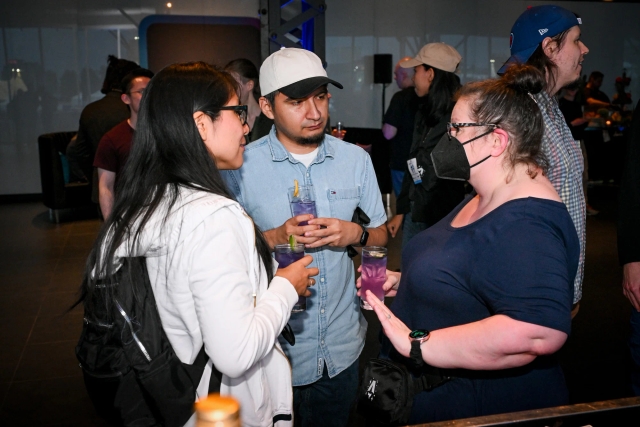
column 302, row 201
column 287, row 254
column 374, row 273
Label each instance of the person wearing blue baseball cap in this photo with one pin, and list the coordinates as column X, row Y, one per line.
column 548, row 38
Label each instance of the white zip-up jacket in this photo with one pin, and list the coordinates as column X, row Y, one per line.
column 211, row 288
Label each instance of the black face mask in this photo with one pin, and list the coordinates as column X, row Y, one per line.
column 449, row 159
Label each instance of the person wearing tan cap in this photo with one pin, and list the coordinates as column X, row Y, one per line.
column 330, row 334
column 425, row 198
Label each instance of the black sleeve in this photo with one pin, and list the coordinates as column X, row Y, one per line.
column 403, row 204
column 629, row 198
column 261, row 127
column 393, row 116
column 533, row 282
column 434, row 198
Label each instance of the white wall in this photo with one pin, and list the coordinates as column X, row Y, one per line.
column 479, row 29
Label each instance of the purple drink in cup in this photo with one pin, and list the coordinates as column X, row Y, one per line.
column 286, row 255
column 304, row 202
column 374, row 273
column 304, row 207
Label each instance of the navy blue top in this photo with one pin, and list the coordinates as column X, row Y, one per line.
column 519, row 260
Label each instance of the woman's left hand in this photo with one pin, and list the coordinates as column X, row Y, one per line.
column 394, row 329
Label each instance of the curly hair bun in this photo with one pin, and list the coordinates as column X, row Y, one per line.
column 524, row 78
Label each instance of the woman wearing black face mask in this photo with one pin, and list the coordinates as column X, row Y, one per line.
column 493, row 280
column 425, row 199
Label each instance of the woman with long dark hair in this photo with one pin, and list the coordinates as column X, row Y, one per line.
column 210, row 268
column 425, row 198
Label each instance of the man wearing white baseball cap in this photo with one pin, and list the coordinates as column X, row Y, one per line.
column 547, row 37
column 329, row 335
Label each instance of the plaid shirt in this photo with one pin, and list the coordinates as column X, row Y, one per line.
column 565, row 173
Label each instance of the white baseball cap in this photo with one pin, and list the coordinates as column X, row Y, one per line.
column 294, row 72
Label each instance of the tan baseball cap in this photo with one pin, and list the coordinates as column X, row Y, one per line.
column 437, row 55
column 294, row 72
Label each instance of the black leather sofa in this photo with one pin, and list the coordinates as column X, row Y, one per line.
column 60, row 197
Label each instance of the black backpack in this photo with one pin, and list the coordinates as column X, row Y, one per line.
column 131, row 372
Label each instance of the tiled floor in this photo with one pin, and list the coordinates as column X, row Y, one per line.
column 40, row 270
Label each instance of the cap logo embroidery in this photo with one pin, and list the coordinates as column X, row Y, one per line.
column 580, row 21
column 511, row 41
column 543, row 30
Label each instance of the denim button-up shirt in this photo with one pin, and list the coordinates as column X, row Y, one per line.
column 332, row 330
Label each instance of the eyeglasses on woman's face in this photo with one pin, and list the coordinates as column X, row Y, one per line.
column 240, row 110
column 454, row 128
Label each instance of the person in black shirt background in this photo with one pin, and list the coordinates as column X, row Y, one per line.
column 398, row 123
column 571, row 109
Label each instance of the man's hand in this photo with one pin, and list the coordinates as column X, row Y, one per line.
column 631, row 283
column 280, row 235
column 336, row 232
column 394, row 224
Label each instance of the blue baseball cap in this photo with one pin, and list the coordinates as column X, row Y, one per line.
column 533, row 26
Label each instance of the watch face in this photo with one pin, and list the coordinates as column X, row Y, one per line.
column 364, row 237
column 418, row 334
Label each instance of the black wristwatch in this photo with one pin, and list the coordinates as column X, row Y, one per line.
column 417, row 337
column 365, row 236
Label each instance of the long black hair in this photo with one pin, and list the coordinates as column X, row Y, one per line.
column 439, row 100
column 167, row 153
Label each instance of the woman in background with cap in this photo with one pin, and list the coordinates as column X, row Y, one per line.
column 547, row 37
column 424, row 198
column 493, row 280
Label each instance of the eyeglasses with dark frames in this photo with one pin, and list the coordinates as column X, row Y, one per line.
column 456, row 127
column 240, row 110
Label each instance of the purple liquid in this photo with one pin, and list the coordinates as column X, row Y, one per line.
column 285, row 258
column 304, row 207
column 374, row 275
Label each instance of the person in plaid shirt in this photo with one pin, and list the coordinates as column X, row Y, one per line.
column 548, row 38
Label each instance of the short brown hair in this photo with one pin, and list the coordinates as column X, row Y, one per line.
column 509, row 103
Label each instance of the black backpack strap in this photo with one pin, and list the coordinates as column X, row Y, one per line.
column 195, row 372
column 427, row 382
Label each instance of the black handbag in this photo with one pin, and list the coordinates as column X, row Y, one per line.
column 360, row 218
column 387, row 390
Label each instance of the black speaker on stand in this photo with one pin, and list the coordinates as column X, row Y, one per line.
column 382, row 73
